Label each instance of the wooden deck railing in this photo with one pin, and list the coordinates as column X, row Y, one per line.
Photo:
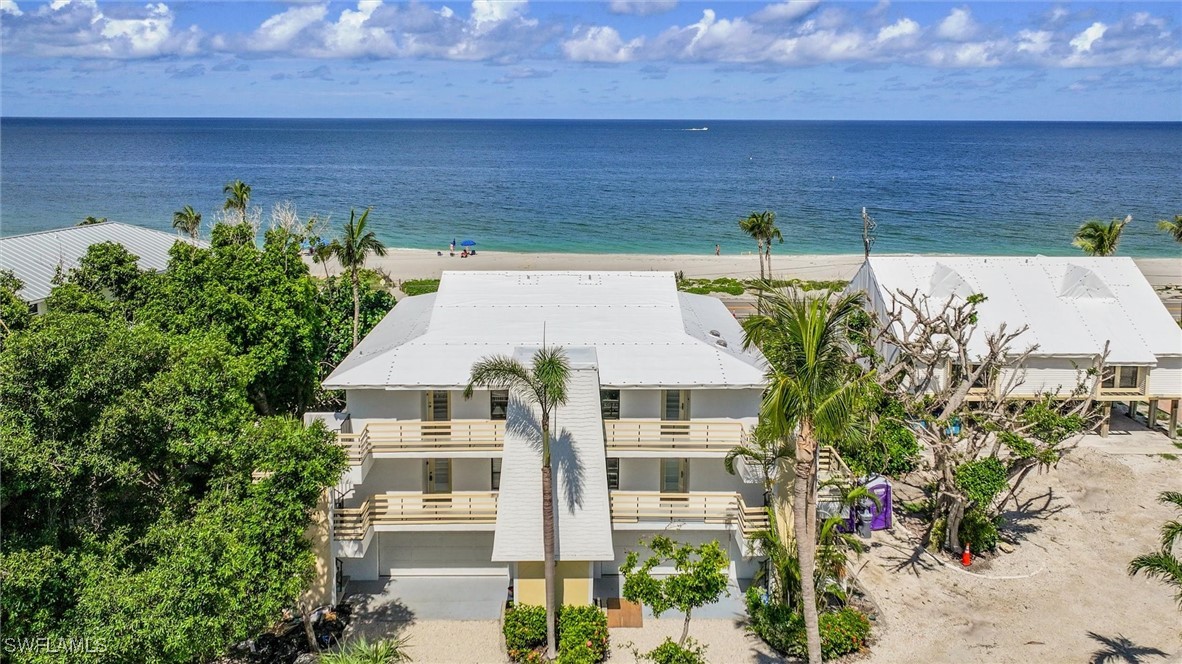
column 830, row 464
column 652, row 435
column 696, row 506
column 420, row 437
column 412, row 508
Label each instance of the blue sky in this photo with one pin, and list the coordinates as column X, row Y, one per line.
column 801, row 59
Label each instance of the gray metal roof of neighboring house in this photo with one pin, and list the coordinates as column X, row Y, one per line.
column 35, row 257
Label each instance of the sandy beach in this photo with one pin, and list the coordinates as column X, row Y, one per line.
column 403, row 264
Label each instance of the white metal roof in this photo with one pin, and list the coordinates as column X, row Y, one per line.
column 35, row 257
column 578, row 458
column 645, row 333
column 1072, row 305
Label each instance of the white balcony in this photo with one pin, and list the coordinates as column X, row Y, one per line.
column 707, row 510
column 413, row 510
column 673, row 438
column 392, row 439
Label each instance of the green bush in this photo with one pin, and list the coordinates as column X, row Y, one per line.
column 781, row 627
column 671, row 653
column 524, row 629
column 979, row 530
column 892, row 449
column 419, row 286
column 982, row 480
column 582, row 634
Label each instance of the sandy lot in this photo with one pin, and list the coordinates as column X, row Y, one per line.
column 1062, row 596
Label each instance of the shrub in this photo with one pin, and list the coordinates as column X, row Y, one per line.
column 413, row 287
column 979, row 530
column 671, row 653
column 524, row 629
column 982, row 480
column 582, row 634
column 360, row 651
column 892, row 448
column 781, row 627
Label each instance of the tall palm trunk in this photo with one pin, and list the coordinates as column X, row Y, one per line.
column 760, row 252
column 767, row 254
column 806, row 544
column 548, row 537
column 356, row 304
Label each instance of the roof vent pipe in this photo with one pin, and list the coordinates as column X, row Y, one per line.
column 721, row 342
column 715, row 333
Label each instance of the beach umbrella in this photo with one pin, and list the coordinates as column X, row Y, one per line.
column 467, row 243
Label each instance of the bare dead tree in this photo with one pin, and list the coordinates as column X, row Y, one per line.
column 962, row 396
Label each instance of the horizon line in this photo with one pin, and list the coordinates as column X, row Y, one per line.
column 564, row 119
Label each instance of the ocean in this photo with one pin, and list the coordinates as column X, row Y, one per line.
column 616, row 186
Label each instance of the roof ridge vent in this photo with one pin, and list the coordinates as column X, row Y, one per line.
column 721, row 342
column 715, row 333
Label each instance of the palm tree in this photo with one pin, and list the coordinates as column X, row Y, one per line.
column 1174, row 228
column 764, row 449
column 762, row 227
column 187, row 220
column 1099, row 239
column 544, row 384
column 237, row 196
column 1163, row 565
column 90, row 221
column 812, row 393
column 321, row 252
column 350, row 250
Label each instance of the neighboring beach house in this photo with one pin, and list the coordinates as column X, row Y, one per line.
column 440, row 485
column 35, row 258
column 1073, row 306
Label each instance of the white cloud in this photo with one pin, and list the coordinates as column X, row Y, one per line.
column 958, row 25
column 785, row 11
column 1035, row 42
column 600, row 44
column 281, row 30
column 80, row 28
column 641, row 7
column 904, row 27
column 1083, row 42
column 489, row 13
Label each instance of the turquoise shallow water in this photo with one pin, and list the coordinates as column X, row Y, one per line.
column 616, row 186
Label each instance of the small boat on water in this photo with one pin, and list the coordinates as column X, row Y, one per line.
column 697, row 129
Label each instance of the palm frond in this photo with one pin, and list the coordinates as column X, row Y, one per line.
column 1161, row 566
column 499, row 372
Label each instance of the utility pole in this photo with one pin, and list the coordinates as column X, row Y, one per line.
column 868, row 226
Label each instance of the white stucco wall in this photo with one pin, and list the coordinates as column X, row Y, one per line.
column 640, row 475
column 711, row 475
column 362, row 569
column 375, row 404
column 629, row 540
column 476, row 408
column 471, row 474
column 733, row 404
column 1165, row 380
column 640, row 403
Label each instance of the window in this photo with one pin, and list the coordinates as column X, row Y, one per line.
column 979, row 385
column 496, row 474
column 498, row 401
column 609, row 404
column 676, row 405
column 1122, row 378
column 613, row 473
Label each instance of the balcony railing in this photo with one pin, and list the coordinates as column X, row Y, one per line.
column 412, row 508
column 418, row 437
column 652, row 435
column 710, row 507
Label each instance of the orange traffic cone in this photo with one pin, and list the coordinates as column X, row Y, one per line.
column 966, row 558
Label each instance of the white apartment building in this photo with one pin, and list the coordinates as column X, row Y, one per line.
column 440, row 485
column 1073, row 307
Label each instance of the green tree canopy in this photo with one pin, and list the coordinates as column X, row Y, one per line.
column 157, row 486
column 1097, row 238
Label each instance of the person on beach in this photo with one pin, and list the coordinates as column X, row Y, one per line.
column 453, row 247
column 717, row 250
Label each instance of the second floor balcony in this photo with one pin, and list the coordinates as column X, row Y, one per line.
column 681, row 438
